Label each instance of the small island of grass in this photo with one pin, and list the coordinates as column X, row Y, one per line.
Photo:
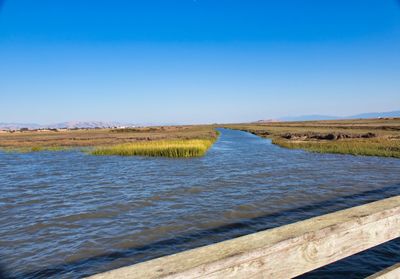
column 159, row 148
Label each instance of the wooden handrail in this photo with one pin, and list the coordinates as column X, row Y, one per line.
column 392, row 272
column 282, row 252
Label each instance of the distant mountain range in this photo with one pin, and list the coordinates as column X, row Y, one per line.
column 16, row 126
column 101, row 124
column 68, row 125
column 329, row 117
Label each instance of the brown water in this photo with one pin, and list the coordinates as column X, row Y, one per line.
column 68, row 214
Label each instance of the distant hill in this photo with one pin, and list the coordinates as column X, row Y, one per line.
column 17, row 126
column 69, row 125
column 310, row 117
column 85, row 124
column 101, row 124
column 377, row 114
column 267, row 121
column 329, row 117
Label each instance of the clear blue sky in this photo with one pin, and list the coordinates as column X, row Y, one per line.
column 196, row 61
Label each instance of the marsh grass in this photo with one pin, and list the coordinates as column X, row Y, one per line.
column 34, row 149
column 83, row 139
column 47, row 148
column 367, row 147
column 386, row 142
column 159, row 148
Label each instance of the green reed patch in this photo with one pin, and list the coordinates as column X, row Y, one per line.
column 159, row 148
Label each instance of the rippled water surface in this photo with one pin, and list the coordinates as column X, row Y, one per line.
column 68, row 214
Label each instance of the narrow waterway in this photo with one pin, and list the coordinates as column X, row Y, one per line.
column 69, row 214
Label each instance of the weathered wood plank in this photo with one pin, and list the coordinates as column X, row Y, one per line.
column 392, row 272
column 283, row 252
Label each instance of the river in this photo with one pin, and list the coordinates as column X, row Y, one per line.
column 68, row 214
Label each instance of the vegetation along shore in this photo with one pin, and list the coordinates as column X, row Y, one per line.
column 167, row 141
column 370, row 137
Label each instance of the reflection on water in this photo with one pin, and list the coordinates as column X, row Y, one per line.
column 68, row 214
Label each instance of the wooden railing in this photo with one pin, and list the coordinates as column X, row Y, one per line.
column 282, row 252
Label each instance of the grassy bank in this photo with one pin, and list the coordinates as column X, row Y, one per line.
column 368, row 137
column 169, row 141
column 375, row 147
column 161, row 148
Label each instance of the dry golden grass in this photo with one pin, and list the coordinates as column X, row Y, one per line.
column 385, row 140
column 159, row 148
column 367, row 147
column 50, row 140
column 347, row 135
